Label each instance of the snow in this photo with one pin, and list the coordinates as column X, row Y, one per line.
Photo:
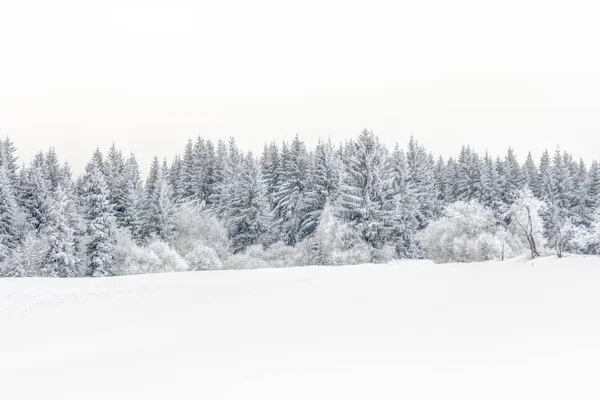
column 410, row 330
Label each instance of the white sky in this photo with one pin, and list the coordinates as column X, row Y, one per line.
column 150, row 74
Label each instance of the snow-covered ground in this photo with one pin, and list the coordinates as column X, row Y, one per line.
column 413, row 330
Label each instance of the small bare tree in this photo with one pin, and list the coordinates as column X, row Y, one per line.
column 524, row 217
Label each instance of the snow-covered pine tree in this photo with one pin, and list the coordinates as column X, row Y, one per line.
column 151, row 181
column 594, row 185
column 8, row 210
column 35, row 196
column 159, row 209
column 271, row 170
column 468, row 175
column 420, row 177
column 61, row 259
column 99, row 219
column 185, row 187
column 511, row 177
column 204, row 170
column 9, row 160
column 366, row 199
column 406, row 207
column 531, row 175
column 580, row 202
column 52, row 170
column 175, row 176
column 220, row 172
column 131, row 217
column 225, row 192
column 247, row 212
column 322, row 189
column 439, row 173
column 563, row 183
column 545, row 186
column 450, row 178
column 292, row 190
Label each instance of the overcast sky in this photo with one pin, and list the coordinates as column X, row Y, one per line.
column 151, row 74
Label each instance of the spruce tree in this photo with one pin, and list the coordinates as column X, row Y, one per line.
column 185, row 187
column 322, row 189
column 292, row 191
column 366, row 195
column 35, row 197
column 159, row 210
column 8, row 210
column 61, row 258
column 247, row 217
column 99, row 219
column 131, row 217
column 530, row 175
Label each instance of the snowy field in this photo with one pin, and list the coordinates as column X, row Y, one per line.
column 413, row 330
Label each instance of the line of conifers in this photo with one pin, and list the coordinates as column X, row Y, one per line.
column 218, row 207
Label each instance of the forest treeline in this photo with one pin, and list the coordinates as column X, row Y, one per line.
column 215, row 206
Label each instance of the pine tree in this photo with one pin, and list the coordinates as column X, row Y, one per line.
column 322, row 189
column 510, row 176
column 247, row 216
column 9, row 160
column 35, row 197
column 366, row 198
column 61, row 259
column 8, row 210
column 468, row 175
column 406, row 207
column 292, row 191
column 270, row 167
column 159, row 209
column 531, row 175
column 580, row 199
column 185, row 187
column 594, row 185
column 52, row 170
column 132, row 201
column 420, row 177
column 175, row 176
column 100, row 221
column 545, row 186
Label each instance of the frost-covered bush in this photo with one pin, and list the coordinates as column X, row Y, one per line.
column 244, row 261
column 278, row 255
column 171, row 261
column 467, row 232
column 193, row 225
column 154, row 258
column 203, row 258
column 334, row 243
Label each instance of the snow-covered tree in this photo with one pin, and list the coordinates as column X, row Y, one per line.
column 525, row 219
column 366, row 199
column 247, row 216
column 35, row 196
column 99, row 219
column 159, row 209
column 467, row 232
column 8, row 210
column 291, row 193
column 61, row 259
column 588, row 238
column 323, row 187
column 130, row 214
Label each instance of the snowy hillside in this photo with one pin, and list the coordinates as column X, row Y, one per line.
column 414, row 330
